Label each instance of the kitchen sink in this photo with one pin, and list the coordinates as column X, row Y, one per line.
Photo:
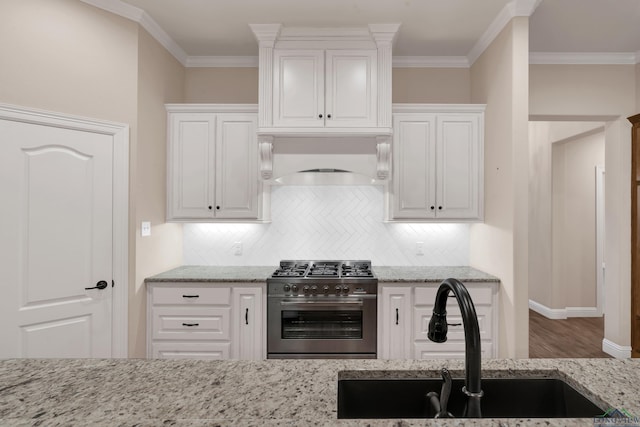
column 503, row 398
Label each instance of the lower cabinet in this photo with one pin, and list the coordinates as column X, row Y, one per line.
column 205, row 321
column 404, row 313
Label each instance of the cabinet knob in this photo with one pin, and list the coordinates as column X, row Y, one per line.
column 320, row 116
column 433, row 207
column 439, row 208
column 218, row 207
column 328, row 116
column 210, row 207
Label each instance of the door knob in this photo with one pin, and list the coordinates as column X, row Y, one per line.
column 100, row 285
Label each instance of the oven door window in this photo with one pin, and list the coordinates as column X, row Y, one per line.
column 298, row 324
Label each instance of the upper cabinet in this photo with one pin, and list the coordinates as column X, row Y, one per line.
column 325, row 88
column 437, row 163
column 325, row 81
column 213, row 163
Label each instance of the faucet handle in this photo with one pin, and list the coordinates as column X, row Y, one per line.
column 445, row 392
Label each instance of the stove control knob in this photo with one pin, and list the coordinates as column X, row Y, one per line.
column 345, row 289
column 314, row 288
column 294, row 288
column 326, row 289
column 338, row 289
column 306, row 289
column 287, row 288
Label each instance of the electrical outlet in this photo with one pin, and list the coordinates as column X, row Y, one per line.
column 145, row 229
column 419, row 248
column 237, row 248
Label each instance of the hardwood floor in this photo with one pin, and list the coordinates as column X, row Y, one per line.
column 574, row 337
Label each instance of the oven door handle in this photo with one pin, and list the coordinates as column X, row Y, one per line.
column 331, row 303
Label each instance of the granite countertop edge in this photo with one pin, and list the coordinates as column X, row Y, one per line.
column 254, row 274
column 196, row 393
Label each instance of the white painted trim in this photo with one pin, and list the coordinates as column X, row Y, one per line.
column 222, row 62
column 508, row 12
column 138, row 15
column 549, row 313
column 430, row 62
column 438, row 108
column 211, row 108
column 563, row 313
column 582, row 312
column 583, row 58
column 120, row 134
column 600, row 238
column 615, row 350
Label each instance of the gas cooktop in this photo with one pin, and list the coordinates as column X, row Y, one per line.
column 323, row 269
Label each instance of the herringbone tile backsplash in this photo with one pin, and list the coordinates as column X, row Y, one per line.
column 326, row 222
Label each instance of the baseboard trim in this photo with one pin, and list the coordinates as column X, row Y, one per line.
column 615, row 350
column 550, row 313
column 583, row 312
column 563, row 313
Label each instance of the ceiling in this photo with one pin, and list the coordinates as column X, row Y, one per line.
column 429, row 28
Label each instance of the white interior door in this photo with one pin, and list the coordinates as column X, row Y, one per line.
column 55, row 241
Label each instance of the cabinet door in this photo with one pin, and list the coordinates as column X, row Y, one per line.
column 395, row 336
column 458, row 177
column 350, row 93
column 190, row 165
column 414, row 166
column 298, row 88
column 248, row 342
column 236, row 193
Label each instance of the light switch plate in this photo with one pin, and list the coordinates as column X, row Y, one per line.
column 145, row 228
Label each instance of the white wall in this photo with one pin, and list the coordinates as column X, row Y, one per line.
column 499, row 78
column 327, row 222
column 574, row 220
column 562, row 264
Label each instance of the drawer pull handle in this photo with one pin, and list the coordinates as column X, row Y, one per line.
column 454, row 324
column 246, row 317
column 397, row 316
column 191, row 324
column 190, row 296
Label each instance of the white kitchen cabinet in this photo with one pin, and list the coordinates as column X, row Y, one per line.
column 205, row 321
column 213, row 163
column 325, row 88
column 408, row 339
column 437, row 163
column 394, row 323
column 248, row 335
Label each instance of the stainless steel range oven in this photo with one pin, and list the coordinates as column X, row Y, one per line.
column 322, row 309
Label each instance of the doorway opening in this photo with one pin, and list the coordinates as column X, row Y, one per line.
column 566, row 238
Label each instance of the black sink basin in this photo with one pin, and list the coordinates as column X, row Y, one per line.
column 503, row 398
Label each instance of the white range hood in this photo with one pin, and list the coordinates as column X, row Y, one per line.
column 325, row 161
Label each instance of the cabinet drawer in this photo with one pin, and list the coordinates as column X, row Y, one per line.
column 422, row 316
column 448, row 350
column 191, row 295
column 479, row 294
column 211, row 323
column 188, row 350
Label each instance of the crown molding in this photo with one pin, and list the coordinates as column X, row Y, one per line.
column 147, row 22
column 584, row 58
column 508, row 12
column 430, row 62
column 222, row 62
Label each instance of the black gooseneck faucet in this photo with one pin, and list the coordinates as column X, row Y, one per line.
column 438, row 333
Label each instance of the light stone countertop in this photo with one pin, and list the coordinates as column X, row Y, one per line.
column 81, row 392
column 201, row 273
